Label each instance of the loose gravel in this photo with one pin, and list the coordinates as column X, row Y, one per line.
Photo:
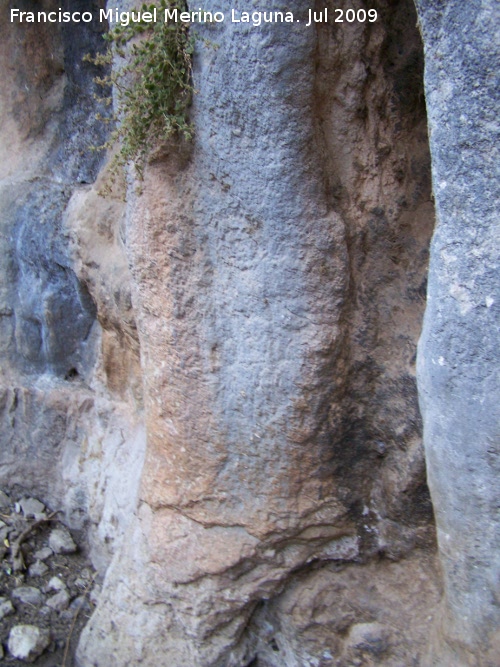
column 48, row 587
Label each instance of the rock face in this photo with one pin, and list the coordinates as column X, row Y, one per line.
column 219, row 377
column 278, row 270
column 69, row 421
column 459, row 358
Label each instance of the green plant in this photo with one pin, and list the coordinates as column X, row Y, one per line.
column 152, row 79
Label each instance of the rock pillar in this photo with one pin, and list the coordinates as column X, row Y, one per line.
column 458, row 353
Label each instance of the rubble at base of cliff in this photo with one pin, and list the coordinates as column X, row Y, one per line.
column 48, row 587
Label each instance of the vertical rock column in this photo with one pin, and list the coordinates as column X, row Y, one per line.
column 240, row 275
column 459, row 354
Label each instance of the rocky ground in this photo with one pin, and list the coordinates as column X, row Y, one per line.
column 47, row 585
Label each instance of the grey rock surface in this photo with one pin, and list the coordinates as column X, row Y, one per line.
column 459, row 354
column 278, row 270
column 250, row 322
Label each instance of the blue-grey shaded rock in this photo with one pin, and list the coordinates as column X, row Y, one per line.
column 54, row 312
column 459, row 354
column 46, row 312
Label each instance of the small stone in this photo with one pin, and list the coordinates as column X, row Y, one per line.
column 56, row 584
column 43, row 554
column 28, row 595
column 31, row 507
column 27, row 642
column 59, row 601
column 61, row 542
column 370, row 637
column 37, row 569
column 6, row 607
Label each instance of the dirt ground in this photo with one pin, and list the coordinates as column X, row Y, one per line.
column 36, row 566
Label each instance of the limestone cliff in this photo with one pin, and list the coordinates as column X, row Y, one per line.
column 217, row 378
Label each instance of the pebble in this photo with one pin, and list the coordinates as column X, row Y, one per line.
column 28, row 595
column 31, row 507
column 59, row 601
column 61, row 542
column 43, row 554
column 27, row 642
column 6, row 607
column 55, row 584
column 369, row 637
column 37, row 569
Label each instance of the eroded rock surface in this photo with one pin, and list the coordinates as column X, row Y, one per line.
column 241, row 336
column 459, row 358
column 278, row 271
column 64, row 357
